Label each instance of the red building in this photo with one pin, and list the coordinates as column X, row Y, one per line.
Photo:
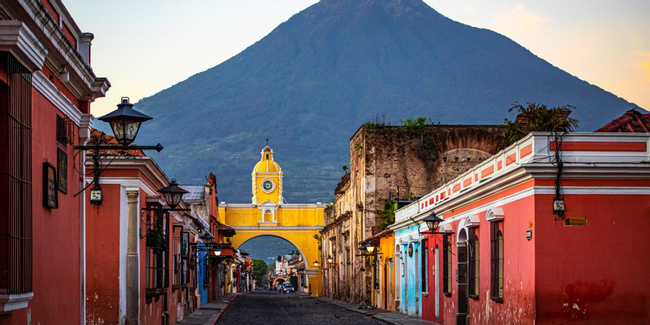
column 548, row 231
column 143, row 255
column 46, row 87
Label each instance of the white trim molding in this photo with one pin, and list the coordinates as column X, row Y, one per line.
column 16, row 38
column 495, row 214
column 9, row 302
column 54, row 95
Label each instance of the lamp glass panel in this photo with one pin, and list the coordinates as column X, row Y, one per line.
column 131, row 130
column 118, row 130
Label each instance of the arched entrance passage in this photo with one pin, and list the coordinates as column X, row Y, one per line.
column 307, row 248
column 303, row 240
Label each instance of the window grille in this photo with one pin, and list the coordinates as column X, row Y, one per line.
column 496, row 263
column 15, row 178
column 157, row 251
column 425, row 266
column 473, row 263
column 446, row 261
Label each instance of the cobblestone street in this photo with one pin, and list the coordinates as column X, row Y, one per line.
column 270, row 307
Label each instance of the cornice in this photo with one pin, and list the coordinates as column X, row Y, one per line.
column 16, row 38
column 51, row 93
column 83, row 82
column 145, row 164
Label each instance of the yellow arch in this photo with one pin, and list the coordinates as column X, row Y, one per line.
column 304, row 241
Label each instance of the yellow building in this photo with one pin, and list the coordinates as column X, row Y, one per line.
column 268, row 214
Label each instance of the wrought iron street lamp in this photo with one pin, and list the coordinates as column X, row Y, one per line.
column 125, row 122
column 433, row 222
column 172, row 194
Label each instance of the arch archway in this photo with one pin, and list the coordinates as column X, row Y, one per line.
column 305, row 243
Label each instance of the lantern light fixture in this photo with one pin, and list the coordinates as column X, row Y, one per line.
column 316, row 264
column 172, row 194
column 125, row 122
column 432, row 221
column 330, row 260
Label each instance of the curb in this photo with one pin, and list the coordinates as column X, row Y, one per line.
column 222, row 311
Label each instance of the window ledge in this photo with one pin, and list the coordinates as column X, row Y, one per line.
column 9, row 302
column 497, row 299
column 425, row 294
column 475, row 297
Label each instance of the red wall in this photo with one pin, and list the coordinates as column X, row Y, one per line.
column 518, row 306
column 56, row 232
column 103, row 249
column 595, row 274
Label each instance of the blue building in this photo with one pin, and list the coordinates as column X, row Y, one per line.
column 410, row 255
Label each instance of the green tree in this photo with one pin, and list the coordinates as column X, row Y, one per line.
column 259, row 270
column 537, row 117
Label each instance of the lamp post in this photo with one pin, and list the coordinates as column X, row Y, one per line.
column 125, row 123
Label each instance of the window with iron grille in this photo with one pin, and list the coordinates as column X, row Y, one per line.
column 473, row 263
column 496, row 263
column 425, row 266
column 15, row 178
column 446, row 261
column 61, row 135
column 157, row 251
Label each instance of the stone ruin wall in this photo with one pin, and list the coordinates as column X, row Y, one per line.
column 419, row 161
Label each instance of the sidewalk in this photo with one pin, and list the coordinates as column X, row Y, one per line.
column 390, row 317
column 210, row 312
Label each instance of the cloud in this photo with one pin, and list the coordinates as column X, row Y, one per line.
column 518, row 20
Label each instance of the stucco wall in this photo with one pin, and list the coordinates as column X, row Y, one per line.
column 596, row 274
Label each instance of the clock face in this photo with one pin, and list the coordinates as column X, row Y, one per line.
column 268, row 185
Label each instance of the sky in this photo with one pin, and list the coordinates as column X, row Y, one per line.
column 145, row 46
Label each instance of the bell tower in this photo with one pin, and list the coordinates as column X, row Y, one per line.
column 267, row 179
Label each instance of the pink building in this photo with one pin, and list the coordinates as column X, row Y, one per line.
column 46, row 87
column 548, row 231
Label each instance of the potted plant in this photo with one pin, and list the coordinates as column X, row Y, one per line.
column 156, row 239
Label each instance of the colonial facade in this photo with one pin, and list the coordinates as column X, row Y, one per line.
column 546, row 231
column 46, row 86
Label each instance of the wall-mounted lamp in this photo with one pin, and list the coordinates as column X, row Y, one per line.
column 125, row 122
column 316, row 264
column 172, row 194
column 529, row 234
column 330, row 260
column 64, row 75
column 432, row 221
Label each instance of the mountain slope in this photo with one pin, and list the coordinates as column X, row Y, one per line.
column 316, row 78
